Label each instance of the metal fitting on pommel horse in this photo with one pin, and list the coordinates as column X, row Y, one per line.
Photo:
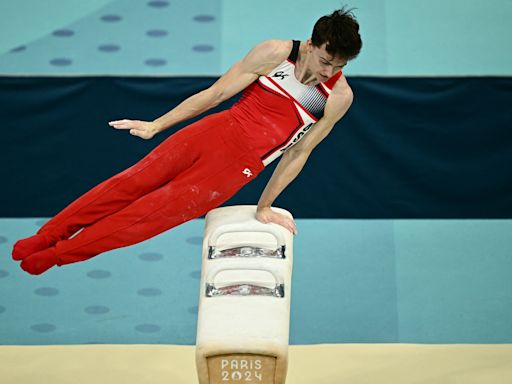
column 244, row 305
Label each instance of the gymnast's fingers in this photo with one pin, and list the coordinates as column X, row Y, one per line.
column 123, row 124
column 292, row 227
column 287, row 223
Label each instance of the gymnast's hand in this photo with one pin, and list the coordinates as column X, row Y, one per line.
column 143, row 129
column 266, row 215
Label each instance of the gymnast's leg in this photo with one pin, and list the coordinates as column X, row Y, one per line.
column 169, row 159
column 193, row 193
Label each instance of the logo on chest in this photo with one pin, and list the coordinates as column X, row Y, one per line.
column 280, row 75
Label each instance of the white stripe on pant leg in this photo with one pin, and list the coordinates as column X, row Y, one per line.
column 244, row 305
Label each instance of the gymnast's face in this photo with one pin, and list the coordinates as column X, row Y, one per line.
column 322, row 64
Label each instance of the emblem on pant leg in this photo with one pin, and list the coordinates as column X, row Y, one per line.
column 247, row 172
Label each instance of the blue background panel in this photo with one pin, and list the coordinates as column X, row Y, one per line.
column 473, row 287
column 407, row 148
column 354, row 281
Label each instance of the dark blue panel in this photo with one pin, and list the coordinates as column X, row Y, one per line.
column 408, row 148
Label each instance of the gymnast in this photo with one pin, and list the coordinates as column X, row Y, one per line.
column 294, row 93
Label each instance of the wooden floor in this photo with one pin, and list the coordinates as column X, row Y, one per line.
column 318, row 364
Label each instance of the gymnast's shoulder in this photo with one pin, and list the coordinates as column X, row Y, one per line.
column 269, row 53
column 342, row 88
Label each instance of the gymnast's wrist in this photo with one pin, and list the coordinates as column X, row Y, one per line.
column 158, row 126
column 262, row 207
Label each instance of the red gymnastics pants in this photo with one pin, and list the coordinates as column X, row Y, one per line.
column 193, row 171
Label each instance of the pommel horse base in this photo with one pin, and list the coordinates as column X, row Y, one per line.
column 244, row 305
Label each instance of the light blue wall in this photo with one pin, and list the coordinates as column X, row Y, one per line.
column 204, row 37
column 400, row 37
column 258, row 20
column 23, row 21
column 117, row 37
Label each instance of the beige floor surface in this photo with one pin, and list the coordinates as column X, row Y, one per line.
column 311, row 364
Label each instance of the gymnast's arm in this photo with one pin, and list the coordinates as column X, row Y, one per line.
column 294, row 158
column 258, row 61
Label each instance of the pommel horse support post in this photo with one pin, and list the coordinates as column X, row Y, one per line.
column 244, row 305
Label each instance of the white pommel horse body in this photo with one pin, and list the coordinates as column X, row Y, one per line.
column 244, row 305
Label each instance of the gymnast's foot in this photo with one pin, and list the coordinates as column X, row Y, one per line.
column 28, row 246
column 40, row 262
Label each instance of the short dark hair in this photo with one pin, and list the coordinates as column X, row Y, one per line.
column 340, row 31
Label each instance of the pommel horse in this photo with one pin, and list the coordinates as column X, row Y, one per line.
column 244, row 305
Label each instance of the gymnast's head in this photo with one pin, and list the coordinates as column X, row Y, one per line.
column 335, row 40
